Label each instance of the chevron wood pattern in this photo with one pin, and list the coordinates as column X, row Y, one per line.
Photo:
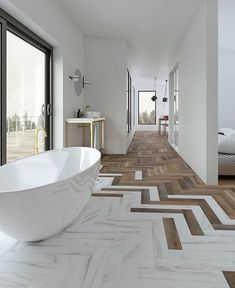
column 172, row 236
column 180, row 192
column 159, row 228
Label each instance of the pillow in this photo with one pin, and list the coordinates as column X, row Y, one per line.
column 227, row 131
column 227, row 144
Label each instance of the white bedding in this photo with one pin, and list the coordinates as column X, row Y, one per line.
column 226, row 159
column 226, row 142
column 227, row 131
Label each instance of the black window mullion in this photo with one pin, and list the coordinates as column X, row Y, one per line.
column 28, row 38
column 48, row 101
column 129, row 102
column 15, row 26
column 3, row 91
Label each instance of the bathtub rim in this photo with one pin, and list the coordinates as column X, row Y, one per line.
column 55, row 182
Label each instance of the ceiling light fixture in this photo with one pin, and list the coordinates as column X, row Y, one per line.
column 154, row 98
column 165, row 99
column 85, row 82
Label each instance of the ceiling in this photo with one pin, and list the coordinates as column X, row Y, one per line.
column 152, row 28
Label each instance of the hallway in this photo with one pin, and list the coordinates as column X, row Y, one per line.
column 159, row 163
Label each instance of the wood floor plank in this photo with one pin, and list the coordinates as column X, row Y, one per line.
column 229, row 197
column 118, row 189
column 106, row 195
column 172, row 236
column 192, row 222
column 145, row 196
column 156, row 210
column 224, row 227
column 116, row 180
column 179, row 189
column 230, row 277
column 225, row 206
column 162, row 191
column 163, row 168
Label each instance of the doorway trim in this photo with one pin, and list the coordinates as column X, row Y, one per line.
column 171, row 106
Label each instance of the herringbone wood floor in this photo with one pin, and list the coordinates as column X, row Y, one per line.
column 150, row 223
column 178, row 187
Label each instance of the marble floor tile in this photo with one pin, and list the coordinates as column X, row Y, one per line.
column 108, row 246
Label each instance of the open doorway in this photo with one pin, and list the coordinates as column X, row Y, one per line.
column 174, row 108
column 226, row 95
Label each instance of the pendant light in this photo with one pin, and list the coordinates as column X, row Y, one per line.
column 154, row 98
column 165, row 99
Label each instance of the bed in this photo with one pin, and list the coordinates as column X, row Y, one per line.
column 226, row 155
column 226, row 164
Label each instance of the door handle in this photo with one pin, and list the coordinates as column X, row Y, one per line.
column 43, row 110
column 49, row 110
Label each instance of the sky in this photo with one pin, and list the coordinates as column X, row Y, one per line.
column 25, row 77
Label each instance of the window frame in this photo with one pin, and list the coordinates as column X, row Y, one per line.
column 134, row 108
column 140, row 124
column 129, row 102
column 9, row 23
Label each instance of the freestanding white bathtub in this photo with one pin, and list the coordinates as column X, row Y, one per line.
column 42, row 194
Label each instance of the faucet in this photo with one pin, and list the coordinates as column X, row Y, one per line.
column 36, row 147
column 87, row 108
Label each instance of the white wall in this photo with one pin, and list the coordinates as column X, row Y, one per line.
column 197, row 57
column 50, row 21
column 226, row 89
column 226, row 64
column 133, row 101
column 106, row 66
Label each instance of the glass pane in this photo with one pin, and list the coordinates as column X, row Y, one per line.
column 25, row 97
column 147, row 111
column 127, row 103
column 176, row 107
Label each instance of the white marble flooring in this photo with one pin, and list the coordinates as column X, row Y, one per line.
column 110, row 247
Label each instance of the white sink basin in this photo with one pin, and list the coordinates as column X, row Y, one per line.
column 93, row 114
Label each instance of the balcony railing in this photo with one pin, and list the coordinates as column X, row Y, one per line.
column 21, row 136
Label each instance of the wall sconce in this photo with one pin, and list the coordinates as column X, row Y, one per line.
column 154, row 98
column 85, row 82
column 165, row 99
column 78, row 81
column 75, row 78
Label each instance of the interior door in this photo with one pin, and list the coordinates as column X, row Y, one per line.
column 176, row 106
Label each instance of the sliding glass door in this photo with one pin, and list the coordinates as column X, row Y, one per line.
column 27, row 98
column 129, row 102
column 3, row 25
